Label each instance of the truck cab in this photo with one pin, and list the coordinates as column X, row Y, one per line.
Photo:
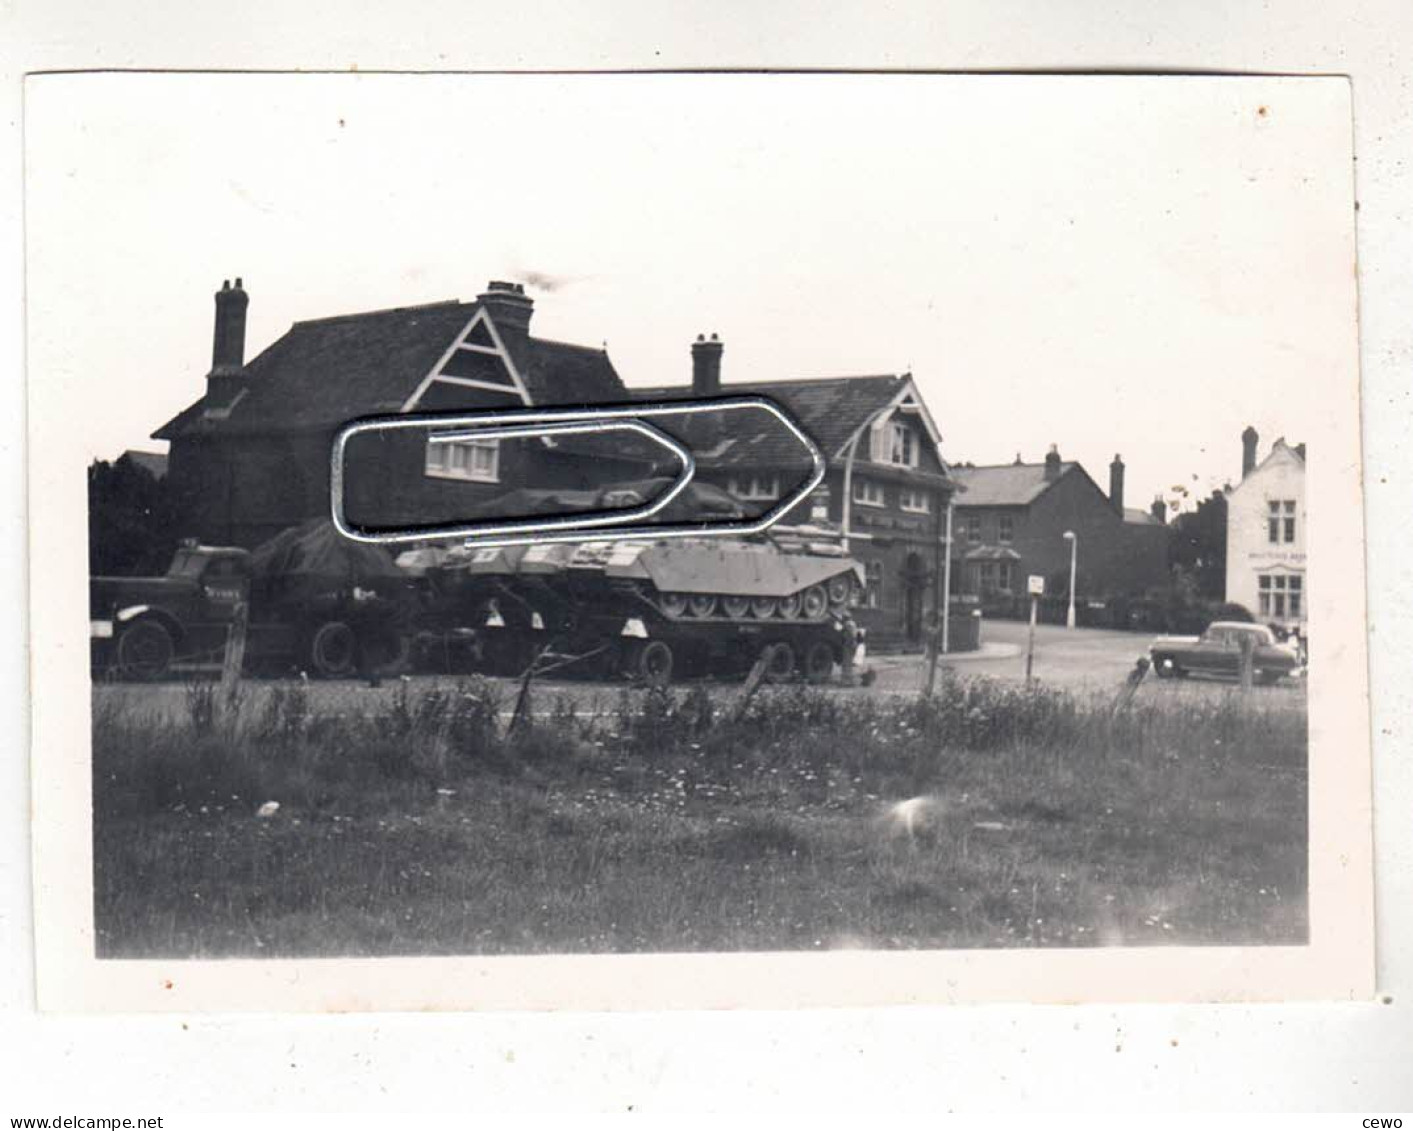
column 139, row 625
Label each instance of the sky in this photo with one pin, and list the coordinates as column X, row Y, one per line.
column 1139, row 266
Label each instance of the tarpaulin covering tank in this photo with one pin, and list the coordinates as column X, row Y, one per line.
column 314, row 559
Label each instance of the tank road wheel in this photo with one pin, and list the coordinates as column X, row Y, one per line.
column 655, row 663
column 841, row 589
column 333, row 650
column 819, row 662
column 701, row 604
column 145, row 650
column 674, row 605
column 790, row 606
column 782, row 662
column 814, row 602
column 736, row 607
column 763, row 608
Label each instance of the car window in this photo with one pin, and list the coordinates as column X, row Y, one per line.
column 222, row 569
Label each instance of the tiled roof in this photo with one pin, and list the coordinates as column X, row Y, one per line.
column 327, row 371
column 1140, row 517
column 830, row 409
column 1003, row 485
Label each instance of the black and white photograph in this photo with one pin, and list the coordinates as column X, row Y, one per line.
column 567, row 516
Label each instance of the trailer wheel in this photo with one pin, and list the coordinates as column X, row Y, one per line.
column 819, row 662
column 145, row 650
column 655, row 663
column 782, row 662
column 333, row 650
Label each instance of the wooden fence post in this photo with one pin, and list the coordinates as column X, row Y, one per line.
column 753, row 681
column 1248, row 655
column 235, row 656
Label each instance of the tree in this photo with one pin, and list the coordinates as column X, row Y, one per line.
column 1197, row 547
column 132, row 519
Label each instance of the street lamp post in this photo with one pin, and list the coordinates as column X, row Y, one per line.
column 1074, row 552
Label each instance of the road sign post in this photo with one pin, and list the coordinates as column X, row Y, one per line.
column 1035, row 586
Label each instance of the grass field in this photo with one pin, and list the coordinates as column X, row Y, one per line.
column 410, row 822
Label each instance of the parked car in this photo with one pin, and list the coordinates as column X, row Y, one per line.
column 1218, row 652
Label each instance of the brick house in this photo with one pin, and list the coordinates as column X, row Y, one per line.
column 1011, row 519
column 251, row 456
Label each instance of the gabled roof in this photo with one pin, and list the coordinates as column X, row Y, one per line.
column 1280, row 452
column 327, row 371
column 830, row 409
column 1004, row 485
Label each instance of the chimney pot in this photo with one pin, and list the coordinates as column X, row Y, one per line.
column 1249, row 439
column 228, row 341
column 1052, row 463
column 706, row 366
column 510, row 309
column 1116, row 484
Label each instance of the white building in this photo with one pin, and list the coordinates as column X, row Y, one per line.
column 1266, row 534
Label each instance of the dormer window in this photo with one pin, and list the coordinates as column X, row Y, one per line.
column 900, row 445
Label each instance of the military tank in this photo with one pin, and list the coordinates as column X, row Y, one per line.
column 715, row 604
column 653, row 608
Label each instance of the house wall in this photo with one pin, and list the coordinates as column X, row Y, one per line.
column 242, row 490
column 1250, row 551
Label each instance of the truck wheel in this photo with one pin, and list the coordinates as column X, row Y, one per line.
column 782, row 662
column 333, row 650
column 819, row 662
column 655, row 663
column 145, row 650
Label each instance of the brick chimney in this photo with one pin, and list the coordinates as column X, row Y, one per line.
column 1116, row 483
column 1249, row 440
column 510, row 309
column 1052, row 464
column 1159, row 509
column 228, row 348
column 706, row 366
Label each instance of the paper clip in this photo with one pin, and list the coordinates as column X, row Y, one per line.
column 601, row 526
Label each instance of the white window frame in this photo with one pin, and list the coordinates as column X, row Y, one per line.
column 1280, row 521
column 900, row 445
column 873, row 584
column 458, row 461
column 1005, row 529
column 868, row 492
column 756, row 488
column 971, row 529
column 914, row 499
